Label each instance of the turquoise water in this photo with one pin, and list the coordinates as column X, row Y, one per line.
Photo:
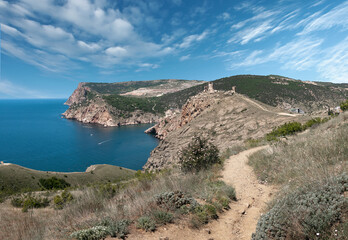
column 33, row 135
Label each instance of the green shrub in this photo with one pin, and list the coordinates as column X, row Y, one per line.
column 303, row 213
column 146, row 223
column 27, row 201
column 60, row 200
column 53, row 183
column 17, row 202
column 107, row 190
column 230, row 192
column 175, row 200
column 142, row 176
column 116, row 228
column 199, row 155
column 202, row 214
column 284, row 130
column 224, row 201
column 344, row 105
column 162, row 217
column 94, row 233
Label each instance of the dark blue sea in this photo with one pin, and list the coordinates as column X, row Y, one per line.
column 33, row 135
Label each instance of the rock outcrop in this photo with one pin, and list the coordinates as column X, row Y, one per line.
column 175, row 119
column 88, row 106
column 79, row 95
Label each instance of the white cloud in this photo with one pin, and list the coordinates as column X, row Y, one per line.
column 189, row 40
column 44, row 60
column 224, row 16
column 251, row 33
column 335, row 17
column 299, row 54
column 79, row 30
column 10, row 30
column 146, row 67
column 184, row 58
column 116, row 51
column 334, row 65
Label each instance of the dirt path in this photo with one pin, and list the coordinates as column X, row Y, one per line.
column 237, row 223
column 265, row 109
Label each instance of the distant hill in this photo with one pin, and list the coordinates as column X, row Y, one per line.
column 272, row 90
column 136, row 102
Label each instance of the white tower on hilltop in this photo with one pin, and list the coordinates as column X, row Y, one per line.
column 210, row 87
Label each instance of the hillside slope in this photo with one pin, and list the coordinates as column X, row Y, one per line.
column 224, row 118
column 273, row 90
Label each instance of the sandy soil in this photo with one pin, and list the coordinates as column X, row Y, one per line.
column 237, row 223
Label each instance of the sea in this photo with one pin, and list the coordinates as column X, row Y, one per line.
column 33, row 134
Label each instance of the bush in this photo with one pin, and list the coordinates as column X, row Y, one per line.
column 284, row 130
column 27, row 201
column 94, row 233
column 315, row 121
column 53, row 183
column 116, row 229
column 344, row 105
column 60, row 200
column 162, row 217
column 199, row 155
column 146, row 224
column 293, row 127
column 175, row 200
column 202, row 215
column 312, row 209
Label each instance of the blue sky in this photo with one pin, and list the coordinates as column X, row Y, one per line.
column 48, row 46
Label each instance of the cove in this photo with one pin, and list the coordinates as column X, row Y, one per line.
column 34, row 135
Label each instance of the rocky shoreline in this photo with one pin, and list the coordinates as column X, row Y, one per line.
column 86, row 109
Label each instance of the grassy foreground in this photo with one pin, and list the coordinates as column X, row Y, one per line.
column 16, row 179
column 311, row 170
column 147, row 201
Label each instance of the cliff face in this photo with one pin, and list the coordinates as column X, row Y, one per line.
column 88, row 106
column 79, row 95
column 226, row 119
column 176, row 119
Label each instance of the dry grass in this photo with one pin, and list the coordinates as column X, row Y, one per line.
column 311, row 169
column 91, row 206
column 314, row 155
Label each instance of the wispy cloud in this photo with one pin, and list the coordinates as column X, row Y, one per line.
column 189, row 40
column 9, row 89
column 184, row 58
column 335, row 17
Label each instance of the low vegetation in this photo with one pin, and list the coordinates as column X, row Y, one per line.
column 294, row 127
column 311, row 170
column 199, row 155
column 131, row 104
column 93, row 233
column 28, row 201
column 344, row 105
column 314, row 210
column 147, row 201
column 53, row 183
column 61, row 200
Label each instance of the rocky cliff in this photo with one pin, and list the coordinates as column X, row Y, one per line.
column 88, row 106
column 226, row 119
column 175, row 119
